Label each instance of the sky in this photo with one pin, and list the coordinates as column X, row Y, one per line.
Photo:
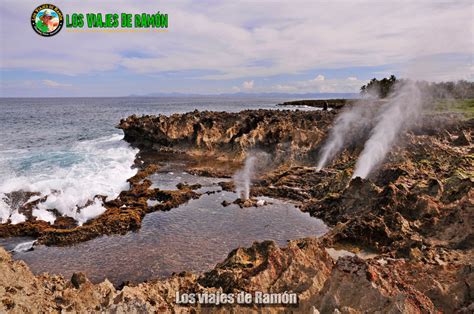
column 214, row 47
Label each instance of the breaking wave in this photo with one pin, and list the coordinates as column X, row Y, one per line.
column 68, row 178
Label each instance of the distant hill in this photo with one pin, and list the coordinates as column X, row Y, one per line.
column 263, row 95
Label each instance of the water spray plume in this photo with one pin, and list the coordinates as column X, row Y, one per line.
column 243, row 177
column 256, row 162
column 346, row 126
column 398, row 113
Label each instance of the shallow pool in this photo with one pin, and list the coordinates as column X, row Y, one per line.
column 192, row 237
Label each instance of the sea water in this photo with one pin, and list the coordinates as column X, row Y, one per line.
column 69, row 150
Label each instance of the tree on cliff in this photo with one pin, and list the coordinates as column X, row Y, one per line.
column 461, row 89
column 380, row 88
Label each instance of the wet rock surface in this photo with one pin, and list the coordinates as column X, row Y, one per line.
column 251, row 202
column 320, row 103
column 123, row 214
column 285, row 134
column 416, row 213
column 381, row 284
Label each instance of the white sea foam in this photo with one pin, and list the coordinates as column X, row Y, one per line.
column 23, row 247
column 151, row 203
column 33, row 198
column 43, row 214
column 16, row 217
column 102, row 167
column 5, row 211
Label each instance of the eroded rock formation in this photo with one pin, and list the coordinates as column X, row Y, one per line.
column 348, row 285
column 123, row 214
column 284, row 134
column 415, row 213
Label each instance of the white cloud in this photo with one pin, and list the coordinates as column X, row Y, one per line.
column 352, row 78
column 34, row 84
column 319, row 78
column 51, row 83
column 281, row 38
column 321, row 86
column 248, row 85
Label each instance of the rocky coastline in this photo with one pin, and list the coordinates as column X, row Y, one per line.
column 320, row 103
column 123, row 214
column 415, row 216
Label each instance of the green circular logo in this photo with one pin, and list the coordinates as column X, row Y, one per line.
column 47, row 20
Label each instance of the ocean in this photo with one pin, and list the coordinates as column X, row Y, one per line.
column 70, row 149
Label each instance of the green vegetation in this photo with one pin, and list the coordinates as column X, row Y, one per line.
column 461, row 106
column 380, row 88
column 461, row 89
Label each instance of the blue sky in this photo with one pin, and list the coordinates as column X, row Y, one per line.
column 224, row 46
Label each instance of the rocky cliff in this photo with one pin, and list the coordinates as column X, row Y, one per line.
column 123, row 214
column 414, row 216
column 348, row 285
column 284, row 134
column 416, row 209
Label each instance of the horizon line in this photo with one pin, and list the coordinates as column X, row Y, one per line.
column 191, row 95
